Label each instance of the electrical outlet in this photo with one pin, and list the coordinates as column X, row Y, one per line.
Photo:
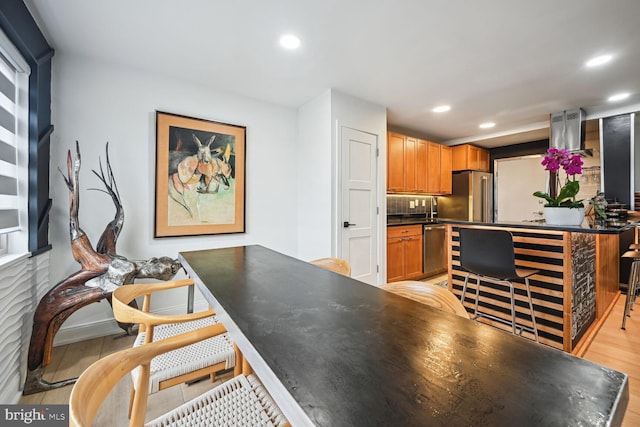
column 412, row 204
column 417, row 203
column 424, row 202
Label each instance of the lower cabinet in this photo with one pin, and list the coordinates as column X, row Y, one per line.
column 404, row 252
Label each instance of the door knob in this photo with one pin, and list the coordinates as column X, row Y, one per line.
column 346, row 224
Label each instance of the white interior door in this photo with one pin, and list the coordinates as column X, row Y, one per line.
column 359, row 203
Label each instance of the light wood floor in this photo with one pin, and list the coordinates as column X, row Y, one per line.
column 612, row 347
column 620, row 350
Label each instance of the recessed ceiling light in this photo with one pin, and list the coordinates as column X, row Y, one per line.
column 289, row 41
column 487, row 125
column 598, row 60
column 618, row 97
column 441, row 109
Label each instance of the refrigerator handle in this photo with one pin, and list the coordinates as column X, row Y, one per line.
column 483, row 200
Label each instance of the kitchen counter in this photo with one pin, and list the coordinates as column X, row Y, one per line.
column 391, row 223
column 333, row 351
column 409, row 220
column 577, row 283
column 588, row 225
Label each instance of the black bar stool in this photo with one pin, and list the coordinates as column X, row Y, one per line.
column 634, row 277
column 490, row 256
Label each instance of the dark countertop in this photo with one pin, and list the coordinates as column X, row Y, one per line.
column 409, row 220
column 334, row 351
column 588, row 225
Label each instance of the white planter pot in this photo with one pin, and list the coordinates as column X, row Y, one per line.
column 563, row 216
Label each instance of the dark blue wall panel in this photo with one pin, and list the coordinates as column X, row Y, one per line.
column 19, row 26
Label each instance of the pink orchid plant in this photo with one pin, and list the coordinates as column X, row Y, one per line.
column 572, row 166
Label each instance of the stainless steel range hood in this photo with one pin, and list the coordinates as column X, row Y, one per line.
column 567, row 130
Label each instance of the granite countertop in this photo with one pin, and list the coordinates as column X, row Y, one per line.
column 409, row 219
column 589, row 225
column 391, row 223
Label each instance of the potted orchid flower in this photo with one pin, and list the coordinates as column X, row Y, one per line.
column 562, row 208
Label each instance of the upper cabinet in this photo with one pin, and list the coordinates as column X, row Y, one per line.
column 395, row 162
column 469, row 157
column 446, row 167
column 417, row 166
column 438, row 168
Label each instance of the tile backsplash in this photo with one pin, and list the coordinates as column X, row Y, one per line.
column 405, row 204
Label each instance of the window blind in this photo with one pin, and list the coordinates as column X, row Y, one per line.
column 9, row 204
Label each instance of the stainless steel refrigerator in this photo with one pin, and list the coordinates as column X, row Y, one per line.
column 471, row 198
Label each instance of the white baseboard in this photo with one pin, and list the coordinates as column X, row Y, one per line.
column 108, row 327
column 86, row 331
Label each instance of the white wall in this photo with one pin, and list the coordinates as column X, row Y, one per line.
column 319, row 126
column 355, row 113
column 95, row 103
column 315, row 158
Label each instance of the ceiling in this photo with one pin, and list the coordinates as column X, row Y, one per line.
column 509, row 62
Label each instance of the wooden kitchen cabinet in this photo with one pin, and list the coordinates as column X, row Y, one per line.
column 401, row 163
column 446, row 154
column 395, row 162
column 417, row 166
column 413, row 256
column 438, row 169
column 433, row 167
column 410, row 160
column 484, row 164
column 469, row 157
column 422, row 174
column 404, row 252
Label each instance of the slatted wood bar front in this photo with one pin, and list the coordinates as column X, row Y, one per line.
column 577, row 281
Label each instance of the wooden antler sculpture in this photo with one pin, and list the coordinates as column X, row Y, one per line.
column 107, row 242
column 102, row 270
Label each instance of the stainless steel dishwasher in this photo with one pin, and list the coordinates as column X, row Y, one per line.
column 433, row 253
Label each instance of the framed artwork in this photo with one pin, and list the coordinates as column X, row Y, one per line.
column 200, row 176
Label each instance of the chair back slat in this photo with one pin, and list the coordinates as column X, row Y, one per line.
column 336, row 265
column 426, row 293
column 123, row 312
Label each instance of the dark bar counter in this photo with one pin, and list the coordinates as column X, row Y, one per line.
column 589, row 225
column 333, row 351
column 578, row 283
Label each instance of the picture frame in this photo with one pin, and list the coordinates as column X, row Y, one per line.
column 200, row 176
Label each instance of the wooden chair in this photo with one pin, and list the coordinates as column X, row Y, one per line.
column 334, row 264
column 241, row 401
column 185, row 364
column 428, row 294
